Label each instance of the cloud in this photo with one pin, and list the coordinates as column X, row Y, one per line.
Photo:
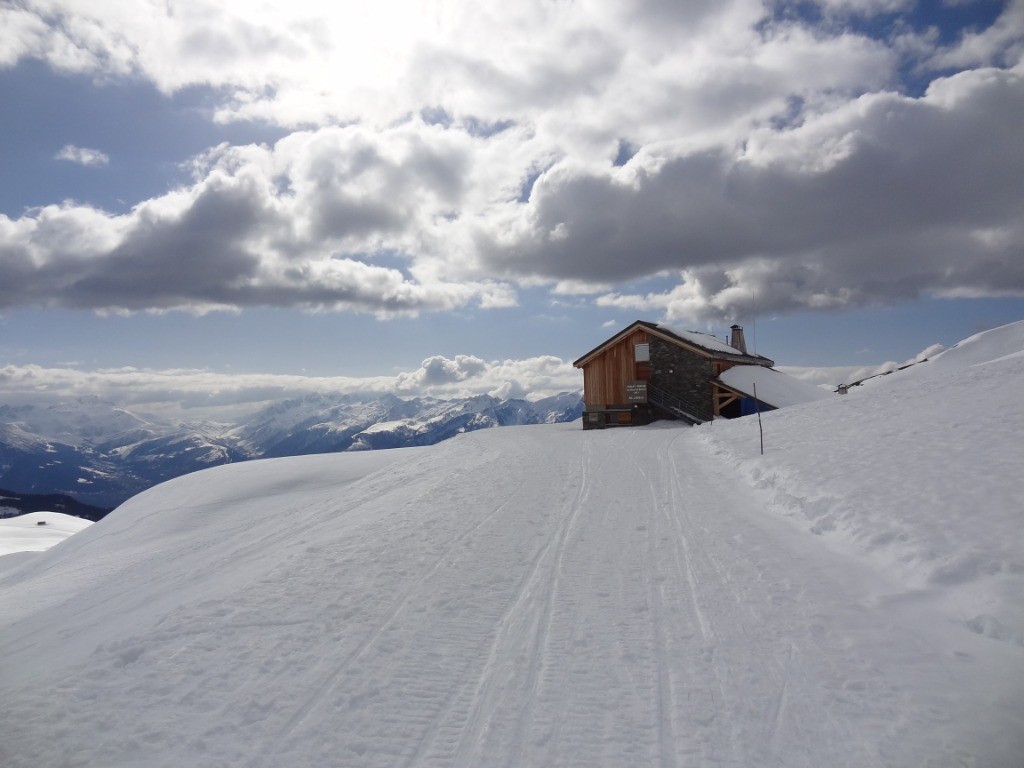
column 451, row 153
column 467, row 375
column 1001, row 44
column 205, row 394
column 438, row 370
column 82, row 155
column 885, row 198
column 301, row 224
column 865, row 7
column 644, row 68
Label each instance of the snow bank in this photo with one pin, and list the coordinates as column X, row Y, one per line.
column 983, row 347
column 921, row 473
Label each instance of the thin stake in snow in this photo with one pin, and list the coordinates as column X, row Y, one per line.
column 757, row 407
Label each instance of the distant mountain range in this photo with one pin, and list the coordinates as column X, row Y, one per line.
column 101, row 454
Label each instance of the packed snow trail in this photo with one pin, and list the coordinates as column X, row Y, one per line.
column 533, row 596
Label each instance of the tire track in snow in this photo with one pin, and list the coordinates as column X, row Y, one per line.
column 695, row 691
column 526, row 621
column 739, row 562
column 687, row 482
column 676, row 505
column 330, row 680
column 451, row 706
column 664, row 675
column 690, row 692
column 592, row 702
column 779, row 715
column 565, row 700
column 739, row 687
column 540, row 649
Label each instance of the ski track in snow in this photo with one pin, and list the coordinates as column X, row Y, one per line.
column 532, row 596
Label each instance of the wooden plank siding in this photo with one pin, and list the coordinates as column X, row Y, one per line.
column 606, row 374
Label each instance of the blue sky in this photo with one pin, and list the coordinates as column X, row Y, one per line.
column 452, row 197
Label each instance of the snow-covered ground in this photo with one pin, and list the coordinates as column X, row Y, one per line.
column 36, row 532
column 543, row 596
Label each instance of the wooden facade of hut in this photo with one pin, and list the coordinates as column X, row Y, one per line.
column 649, row 371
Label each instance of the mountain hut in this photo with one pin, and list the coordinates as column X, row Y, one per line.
column 650, row 371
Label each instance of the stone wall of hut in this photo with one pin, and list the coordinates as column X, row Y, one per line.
column 685, row 375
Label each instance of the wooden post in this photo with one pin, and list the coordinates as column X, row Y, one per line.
column 757, row 405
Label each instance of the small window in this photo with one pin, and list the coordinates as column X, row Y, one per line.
column 642, row 353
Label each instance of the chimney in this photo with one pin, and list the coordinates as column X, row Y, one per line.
column 737, row 339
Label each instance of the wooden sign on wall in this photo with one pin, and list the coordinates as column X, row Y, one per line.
column 636, row 391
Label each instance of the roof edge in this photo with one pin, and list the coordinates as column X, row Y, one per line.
column 670, row 337
column 579, row 363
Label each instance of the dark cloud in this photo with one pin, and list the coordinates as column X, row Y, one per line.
column 170, row 261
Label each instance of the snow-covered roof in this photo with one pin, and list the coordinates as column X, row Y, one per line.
column 703, row 340
column 773, row 387
column 698, row 339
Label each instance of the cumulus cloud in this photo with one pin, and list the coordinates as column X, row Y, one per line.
column 439, row 371
column 300, row 224
column 82, row 155
column 452, row 152
column 467, row 375
column 885, row 198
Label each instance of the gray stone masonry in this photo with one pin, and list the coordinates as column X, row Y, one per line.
column 684, row 374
